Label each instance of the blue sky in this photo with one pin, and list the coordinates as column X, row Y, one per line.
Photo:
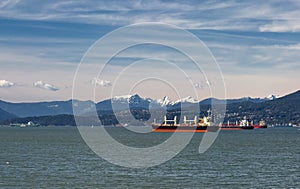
column 255, row 43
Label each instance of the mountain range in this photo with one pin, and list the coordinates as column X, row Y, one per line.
column 271, row 108
column 9, row 109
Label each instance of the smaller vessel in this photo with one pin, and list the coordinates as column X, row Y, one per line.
column 28, row 124
column 243, row 124
column 261, row 124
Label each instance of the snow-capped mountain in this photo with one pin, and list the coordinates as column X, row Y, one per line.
column 125, row 101
column 250, row 99
column 187, row 99
column 116, row 103
column 123, row 98
column 122, row 102
column 166, row 100
column 162, row 102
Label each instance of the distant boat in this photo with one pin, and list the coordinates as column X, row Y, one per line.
column 28, row 124
column 243, row 124
column 261, row 124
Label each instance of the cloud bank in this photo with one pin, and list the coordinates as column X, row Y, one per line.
column 5, row 84
column 42, row 85
column 99, row 82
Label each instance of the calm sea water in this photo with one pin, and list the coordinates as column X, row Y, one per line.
column 57, row 157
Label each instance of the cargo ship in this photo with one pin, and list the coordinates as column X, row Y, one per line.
column 204, row 124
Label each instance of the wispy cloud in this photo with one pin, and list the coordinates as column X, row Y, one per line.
column 199, row 85
column 282, row 26
column 46, row 38
column 5, row 84
column 46, row 86
column 8, row 3
column 103, row 83
column 243, row 15
column 258, row 58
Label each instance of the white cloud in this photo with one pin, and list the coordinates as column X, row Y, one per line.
column 281, row 26
column 282, row 47
column 47, row 86
column 202, row 84
column 5, row 83
column 8, row 3
column 199, row 85
column 103, row 83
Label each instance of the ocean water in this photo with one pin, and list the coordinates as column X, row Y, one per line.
column 57, row 157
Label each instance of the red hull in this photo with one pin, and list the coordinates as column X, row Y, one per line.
column 260, row 126
column 178, row 131
column 197, row 129
column 236, row 127
column 184, row 129
column 233, row 128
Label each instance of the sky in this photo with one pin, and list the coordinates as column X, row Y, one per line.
column 256, row 45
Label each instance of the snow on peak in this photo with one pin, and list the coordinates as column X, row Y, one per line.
column 126, row 97
column 122, row 98
column 187, row 99
column 272, row 97
column 164, row 101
